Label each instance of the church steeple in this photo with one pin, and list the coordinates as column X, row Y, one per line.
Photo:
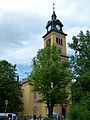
column 54, row 23
column 54, row 15
column 55, row 34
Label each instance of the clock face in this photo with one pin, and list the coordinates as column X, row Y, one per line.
column 58, row 27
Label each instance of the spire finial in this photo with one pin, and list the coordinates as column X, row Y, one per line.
column 53, row 15
column 53, row 7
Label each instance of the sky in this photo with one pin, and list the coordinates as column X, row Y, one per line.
column 22, row 25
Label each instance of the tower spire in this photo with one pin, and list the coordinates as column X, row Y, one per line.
column 53, row 15
column 53, row 7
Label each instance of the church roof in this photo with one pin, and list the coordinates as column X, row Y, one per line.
column 54, row 25
column 52, row 30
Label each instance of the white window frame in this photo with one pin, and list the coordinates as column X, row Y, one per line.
column 35, row 96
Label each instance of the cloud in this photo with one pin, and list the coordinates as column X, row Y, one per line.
column 17, row 5
column 20, row 37
column 22, row 25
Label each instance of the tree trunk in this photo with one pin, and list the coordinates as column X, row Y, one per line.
column 50, row 111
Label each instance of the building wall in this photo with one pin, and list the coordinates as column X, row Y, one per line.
column 28, row 99
column 29, row 104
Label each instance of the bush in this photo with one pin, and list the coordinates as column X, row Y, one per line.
column 79, row 112
column 48, row 118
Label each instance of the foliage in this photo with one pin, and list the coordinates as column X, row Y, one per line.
column 79, row 112
column 80, row 88
column 50, row 76
column 80, row 62
column 47, row 118
column 9, row 88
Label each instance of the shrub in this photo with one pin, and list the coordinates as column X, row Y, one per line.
column 48, row 118
column 79, row 112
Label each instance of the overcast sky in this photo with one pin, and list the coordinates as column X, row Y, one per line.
column 22, row 25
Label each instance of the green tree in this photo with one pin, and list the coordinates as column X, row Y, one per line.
column 50, row 76
column 80, row 64
column 9, row 88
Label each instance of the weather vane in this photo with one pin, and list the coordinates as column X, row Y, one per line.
column 53, row 7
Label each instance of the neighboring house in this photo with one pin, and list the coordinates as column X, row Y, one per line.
column 54, row 35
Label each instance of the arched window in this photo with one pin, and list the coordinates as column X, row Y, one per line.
column 35, row 96
column 35, row 110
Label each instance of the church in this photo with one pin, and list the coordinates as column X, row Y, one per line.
column 31, row 107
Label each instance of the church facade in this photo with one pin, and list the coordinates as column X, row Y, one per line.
column 31, row 107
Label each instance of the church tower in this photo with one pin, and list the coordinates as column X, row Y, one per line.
column 55, row 34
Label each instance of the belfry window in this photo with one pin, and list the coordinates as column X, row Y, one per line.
column 59, row 41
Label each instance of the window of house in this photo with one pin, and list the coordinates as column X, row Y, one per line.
column 35, row 111
column 23, row 95
column 35, row 96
